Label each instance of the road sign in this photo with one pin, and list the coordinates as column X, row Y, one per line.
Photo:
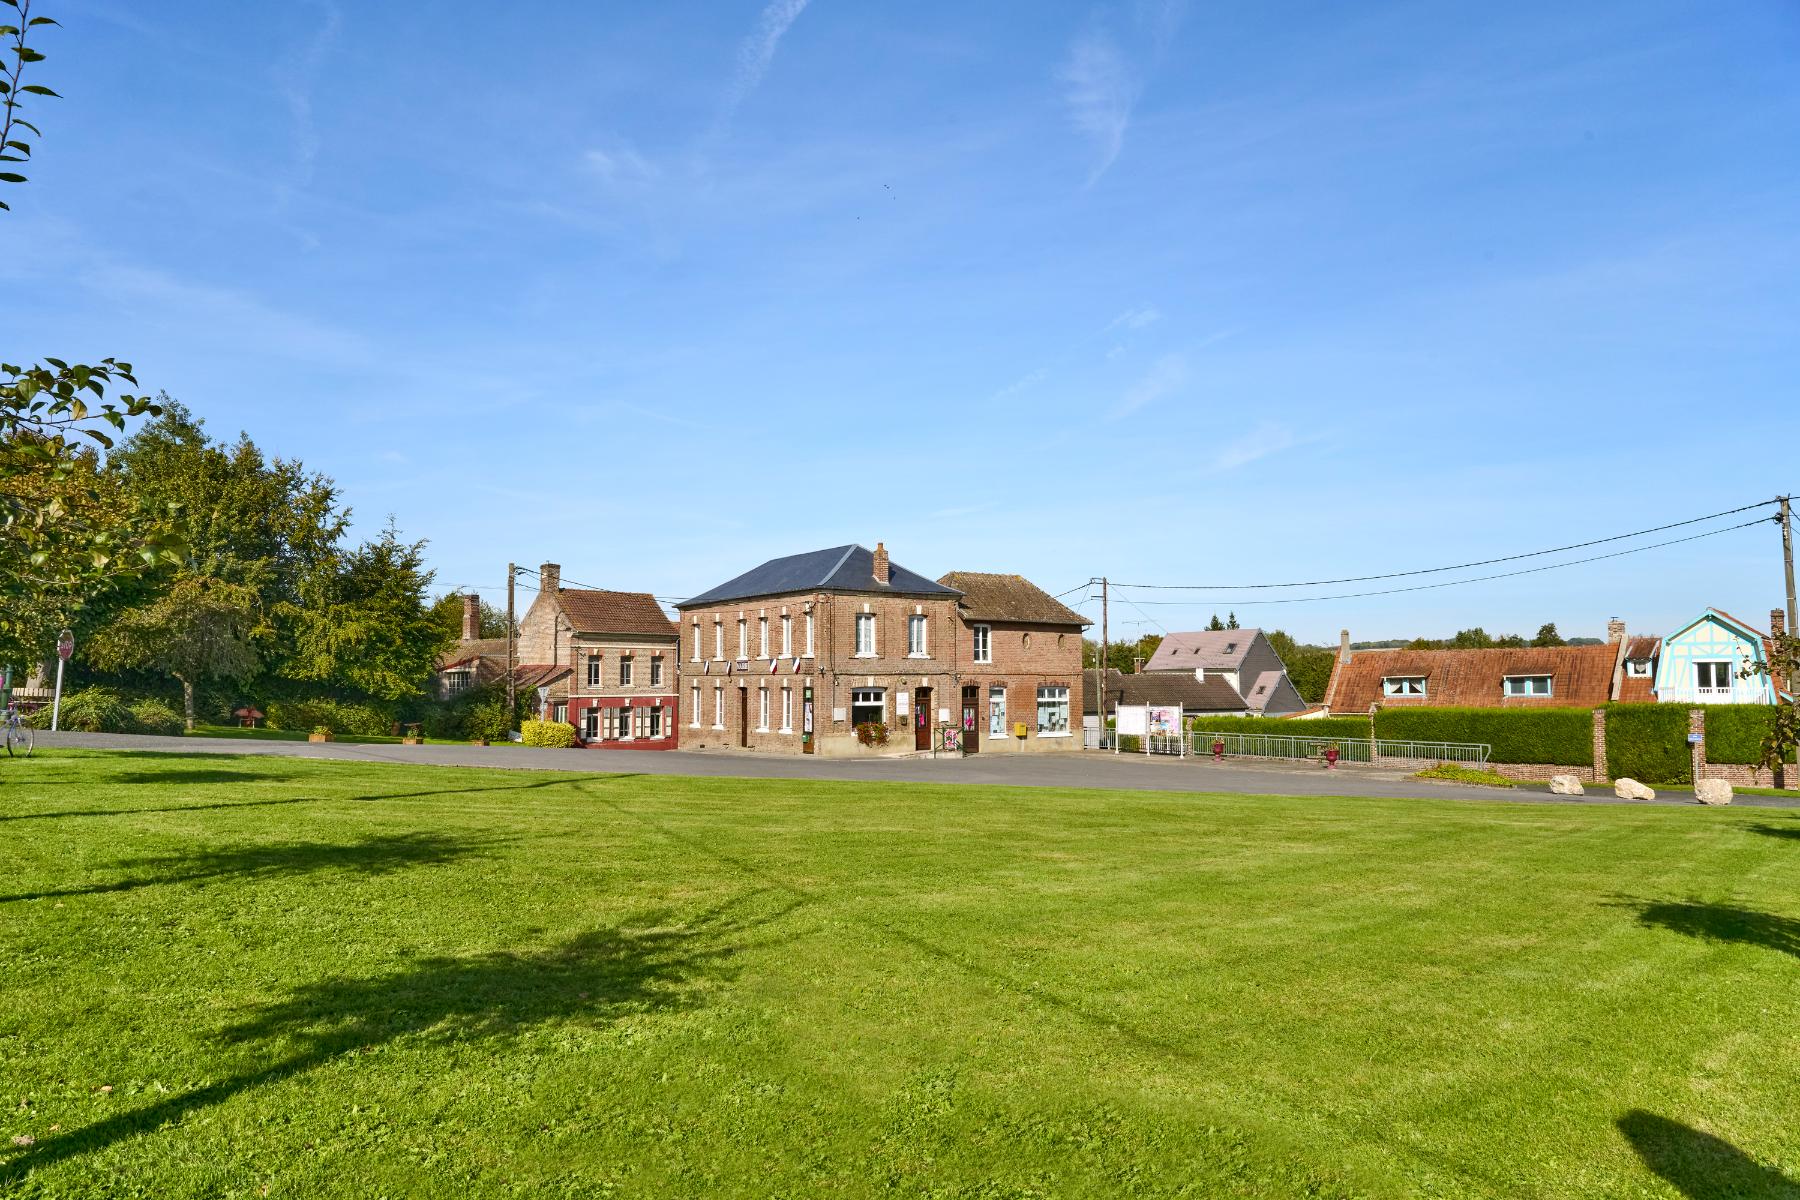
column 65, row 644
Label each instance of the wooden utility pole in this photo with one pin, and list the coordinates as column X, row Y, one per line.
column 1787, row 561
column 1100, row 704
column 512, row 573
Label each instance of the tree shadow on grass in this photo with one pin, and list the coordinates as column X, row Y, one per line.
column 380, row 855
column 1722, row 923
column 1776, row 831
column 1700, row 1165
column 657, row 963
column 372, row 796
column 191, row 775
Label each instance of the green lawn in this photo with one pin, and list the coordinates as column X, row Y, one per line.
column 242, row 977
column 265, row 734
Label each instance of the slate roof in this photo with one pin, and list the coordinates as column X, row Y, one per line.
column 1581, row 677
column 592, row 610
column 987, row 597
column 1211, row 695
column 1223, row 649
column 837, row 569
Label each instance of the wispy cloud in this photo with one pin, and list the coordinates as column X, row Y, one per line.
column 1165, row 376
column 1022, row 384
column 1102, row 82
column 1135, row 318
column 758, row 50
column 294, row 79
column 1264, row 439
column 621, row 168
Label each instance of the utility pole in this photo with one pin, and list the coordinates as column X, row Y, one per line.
column 1100, row 704
column 512, row 573
column 1787, row 561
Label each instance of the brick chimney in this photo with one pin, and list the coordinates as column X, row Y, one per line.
column 1615, row 630
column 881, row 563
column 1777, row 622
column 1137, row 664
column 1343, row 645
column 471, row 616
column 549, row 578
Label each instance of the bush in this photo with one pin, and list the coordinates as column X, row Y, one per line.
column 872, row 733
column 363, row 720
column 1561, row 736
column 1347, row 728
column 1648, row 742
column 1130, row 743
column 151, row 715
column 1735, row 732
column 89, row 710
column 1456, row 774
column 489, row 720
column 557, row 735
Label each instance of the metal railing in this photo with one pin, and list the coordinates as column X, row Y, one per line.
column 1292, row 746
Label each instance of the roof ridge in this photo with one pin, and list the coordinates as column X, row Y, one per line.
column 852, row 548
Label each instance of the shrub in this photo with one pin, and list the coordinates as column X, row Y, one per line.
column 1562, row 736
column 872, row 733
column 556, row 735
column 363, row 720
column 489, row 720
column 1735, row 732
column 1456, row 774
column 151, row 715
column 1648, row 742
column 88, row 710
column 1130, row 743
column 1348, row 728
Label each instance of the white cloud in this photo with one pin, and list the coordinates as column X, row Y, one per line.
column 1135, row 318
column 1022, row 384
column 1265, row 439
column 621, row 168
column 294, row 78
column 758, row 50
column 1165, row 376
column 1100, row 90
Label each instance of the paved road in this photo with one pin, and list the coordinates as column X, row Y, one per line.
column 1079, row 770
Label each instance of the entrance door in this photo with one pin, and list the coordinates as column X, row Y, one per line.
column 743, row 717
column 921, row 718
column 971, row 722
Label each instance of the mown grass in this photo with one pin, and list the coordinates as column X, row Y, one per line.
column 265, row 734
column 1453, row 773
column 239, row 977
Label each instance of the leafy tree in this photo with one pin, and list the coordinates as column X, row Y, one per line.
column 1783, row 669
column 1214, row 625
column 13, row 146
column 363, row 623
column 1547, row 636
column 199, row 630
column 1120, row 656
column 1231, row 621
column 447, row 611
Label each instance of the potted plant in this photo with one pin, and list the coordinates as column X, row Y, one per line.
column 872, row 733
column 320, row 733
column 413, row 736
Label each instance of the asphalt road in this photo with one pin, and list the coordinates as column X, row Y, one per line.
column 1074, row 770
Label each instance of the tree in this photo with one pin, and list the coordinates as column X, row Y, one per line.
column 363, row 624
column 13, row 146
column 200, row 629
column 447, row 611
column 1120, row 656
column 1547, row 636
column 1214, row 625
column 1783, row 669
column 1231, row 621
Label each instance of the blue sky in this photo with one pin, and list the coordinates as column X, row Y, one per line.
column 1185, row 293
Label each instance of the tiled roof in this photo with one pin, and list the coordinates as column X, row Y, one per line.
column 1581, row 677
column 1643, row 647
column 1212, row 695
column 464, row 653
column 594, row 611
column 531, row 675
column 837, row 569
column 1009, row 598
column 1220, row 648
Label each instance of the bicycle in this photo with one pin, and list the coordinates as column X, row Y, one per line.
column 17, row 735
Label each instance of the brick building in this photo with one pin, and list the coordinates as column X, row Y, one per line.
column 1018, row 663
column 608, row 659
column 799, row 652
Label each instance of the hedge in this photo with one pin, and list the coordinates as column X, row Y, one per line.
column 557, row 735
column 1735, row 732
column 102, row 710
column 363, row 720
column 151, row 715
column 1560, row 736
column 1345, row 728
column 1648, row 742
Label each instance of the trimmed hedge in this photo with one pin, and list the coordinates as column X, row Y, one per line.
column 557, row 735
column 151, row 715
column 1648, row 742
column 1346, row 728
column 1563, row 737
column 1735, row 732
column 363, row 720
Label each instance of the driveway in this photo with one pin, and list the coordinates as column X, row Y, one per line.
column 1074, row 770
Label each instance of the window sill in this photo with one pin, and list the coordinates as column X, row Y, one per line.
column 918, row 656
column 983, row 662
column 865, row 656
column 718, row 727
column 1056, row 735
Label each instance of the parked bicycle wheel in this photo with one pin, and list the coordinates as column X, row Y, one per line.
column 18, row 742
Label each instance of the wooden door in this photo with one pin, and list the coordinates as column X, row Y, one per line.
column 971, row 719
column 921, row 718
column 743, row 717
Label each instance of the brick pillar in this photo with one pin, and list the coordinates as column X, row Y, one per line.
column 1697, row 750
column 1599, row 744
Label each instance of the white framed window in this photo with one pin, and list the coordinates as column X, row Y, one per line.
column 1403, row 685
column 1527, row 685
column 762, row 637
column 787, row 636
column 718, row 706
column 718, row 639
column 1713, row 677
column 618, row 724
column 743, row 638
column 593, row 670
column 455, row 681
column 1638, row 667
column 915, row 636
column 984, row 644
column 590, row 725
column 865, row 635
column 696, row 639
column 868, row 706
column 560, row 712
column 762, row 709
column 809, row 633
column 787, row 709
column 1053, row 711
column 996, row 712
column 656, row 672
column 625, row 671
column 694, row 708
column 653, row 722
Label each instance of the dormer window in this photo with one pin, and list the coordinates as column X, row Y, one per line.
column 1638, row 667
column 1403, row 685
column 1527, row 685
column 1231, row 647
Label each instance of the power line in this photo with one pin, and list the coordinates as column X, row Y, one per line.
column 1486, row 562
column 1422, row 587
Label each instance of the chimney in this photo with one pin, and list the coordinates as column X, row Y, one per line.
column 471, row 616
column 1137, row 664
column 1615, row 630
column 549, row 578
column 1343, row 645
column 1777, row 622
column 881, row 563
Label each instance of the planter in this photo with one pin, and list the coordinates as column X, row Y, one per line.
column 478, row 741
column 320, row 737
column 412, row 741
